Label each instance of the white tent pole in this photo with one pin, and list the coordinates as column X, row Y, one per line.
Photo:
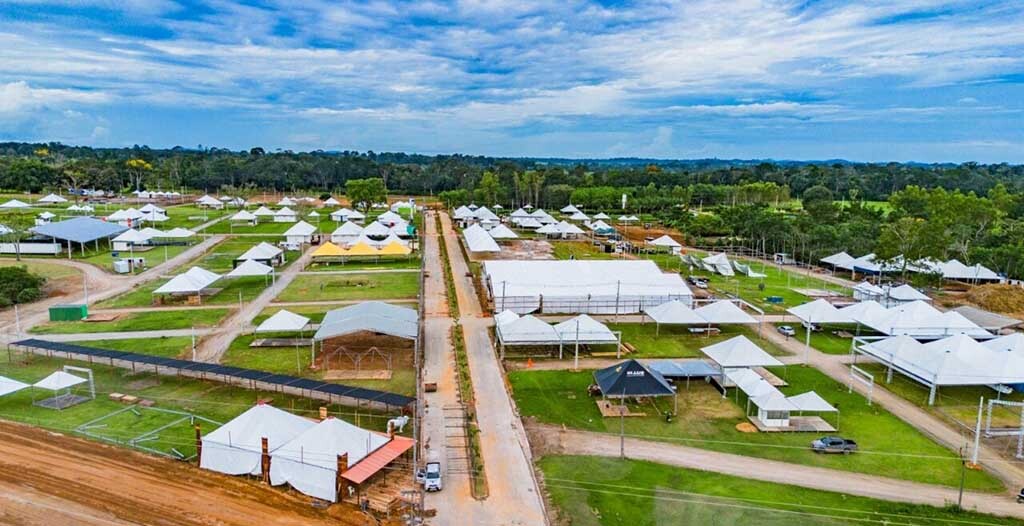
column 576, row 358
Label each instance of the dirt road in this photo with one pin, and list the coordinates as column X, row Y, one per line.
column 554, row 440
column 48, row 479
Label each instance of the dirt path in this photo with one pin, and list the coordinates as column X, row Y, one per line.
column 48, row 479
column 835, row 366
column 514, row 494
column 214, row 345
column 555, row 440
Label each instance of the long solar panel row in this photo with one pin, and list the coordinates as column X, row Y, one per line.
column 284, row 380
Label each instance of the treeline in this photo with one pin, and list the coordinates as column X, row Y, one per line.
column 547, row 183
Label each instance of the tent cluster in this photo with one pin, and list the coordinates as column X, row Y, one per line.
column 887, row 295
column 561, row 229
column 531, row 220
column 916, row 319
column 952, row 270
column 131, row 216
column 475, row 214
column 676, row 312
column 515, row 330
column 953, row 361
column 774, row 408
column 318, row 459
column 131, row 238
column 360, row 249
column 145, row 194
column 376, row 234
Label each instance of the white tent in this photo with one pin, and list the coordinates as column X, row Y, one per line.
column 864, row 310
column 244, row 215
column 838, row 260
column 867, row 291
column 15, row 203
column 179, row 233
column 601, row 215
column 543, row 217
column 250, row 267
column 599, row 226
column 211, row 202
column 483, row 214
column 579, row 216
column 527, row 330
column 527, row 222
column 52, row 198
column 59, row 380
column 819, row 311
column 584, row 330
column 504, row 317
column 390, row 218
column 285, row 215
column 47, row 215
column 811, row 402
column 332, row 202
column 301, row 232
column 193, row 281
column 313, row 213
column 478, row 240
column 287, row 201
column 150, row 208
column 462, row 212
column 309, row 462
column 955, row 270
column 236, row 448
column 128, row 239
column 263, row 211
column 502, row 232
column 666, row 241
column 719, row 263
column 519, row 213
column 569, row 210
column 283, row 321
column 673, row 312
column 739, row 352
column 906, row 293
column 346, row 233
column 10, row 385
column 723, row 312
column 376, row 229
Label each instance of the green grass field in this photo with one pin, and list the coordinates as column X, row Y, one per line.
column 889, row 446
column 165, row 346
column 368, row 286
column 579, row 250
column 315, row 313
column 212, row 400
column 139, row 321
column 142, row 296
column 296, row 360
column 677, row 342
column 402, row 263
column 824, row 340
column 593, row 491
column 46, row 270
column 220, row 257
column 268, row 226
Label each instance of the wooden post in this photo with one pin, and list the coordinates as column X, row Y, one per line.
column 265, row 461
column 199, row 445
column 323, row 413
column 342, row 484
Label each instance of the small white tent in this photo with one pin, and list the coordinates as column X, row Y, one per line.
column 723, row 312
column 52, row 199
column 283, row 321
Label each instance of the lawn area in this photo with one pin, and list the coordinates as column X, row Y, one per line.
column 368, row 286
column 824, row 340
column 104, row 257
column 579, row 250
column 601, row 491
column 142, row 296
column 218, row 402
column 164, row 346
column 296, row 360
column 46, row 270
column 139, row 321
column 220, row 257
column 888, row 446
column 268, row 226
column 677, row 342
column 315, row 313
column 189, row 216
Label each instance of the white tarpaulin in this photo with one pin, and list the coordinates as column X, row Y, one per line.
column 235, row 448
column 10, row 385
column 59, row 380
column 719, row 263
column 283, row 321
column 739, row 352
column 309, row 462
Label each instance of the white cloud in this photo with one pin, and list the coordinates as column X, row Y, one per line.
column 20, row 98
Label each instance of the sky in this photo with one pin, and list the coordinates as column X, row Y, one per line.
column 902, row 80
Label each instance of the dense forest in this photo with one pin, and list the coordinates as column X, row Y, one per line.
column 970, row 211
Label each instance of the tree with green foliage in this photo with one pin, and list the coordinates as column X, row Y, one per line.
column 18, row 285
column 364, row 192
column 488, row 189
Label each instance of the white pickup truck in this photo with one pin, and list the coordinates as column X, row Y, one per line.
column 432, row 477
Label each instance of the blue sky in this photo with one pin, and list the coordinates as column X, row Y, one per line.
column 874, row 81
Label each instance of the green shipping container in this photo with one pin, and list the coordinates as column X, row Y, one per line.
column 68, row 312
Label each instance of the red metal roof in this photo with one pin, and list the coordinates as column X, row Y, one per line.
column 378, row 459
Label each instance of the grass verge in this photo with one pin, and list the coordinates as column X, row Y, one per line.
column 138, row 321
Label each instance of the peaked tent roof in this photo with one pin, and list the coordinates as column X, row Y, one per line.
column 579, row 216
column 376, row 229
column 132, row 236
column 811, row 402
column 250, row 267
column 194, row 279
column 631, row 378
column 483, row 213
column 15, row 203
column 47, row 215
column 263, row 250
column 372, row 316
column 907, row 293
column 263, row 211
column 601, row 215
column 59, row 380
column 389, row 217
column 347, row 229
column 528, row 222
column 865, row 287
column 319, row 447
column 285, row 212
column 395, row 248
column 361, row 248
column 723, row 311
column 502, row 232
column 674, row 312
column 10, row 385
column 505, row 316
column 243, row 215
column 283, row 321
column 751, row 383
column 986, row 319
column 328, row 250
column 80, row 230
column 235, row 448
column 301, row 228
column 819, row 311
column 332, row 202
column 739, row 352
column 527, row 330
column 838, row 259
column 585, row 329
column 569, row 209
column 519, row 213
column 149, row 208
column 52, row 198
column 478, row 240
column 864, row 310
column 462, row 212
column 208, row 200
column 665, row 241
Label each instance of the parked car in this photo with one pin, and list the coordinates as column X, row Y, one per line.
column 432, row 477
column 787, row 330
column 834, row 445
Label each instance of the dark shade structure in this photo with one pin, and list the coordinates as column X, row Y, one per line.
column 631, row 378
column 80, row 230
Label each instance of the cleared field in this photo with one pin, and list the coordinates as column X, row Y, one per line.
column 889, row 446
column 138, row 321
column 366, row 286
column 601, row 491
column 677, row 342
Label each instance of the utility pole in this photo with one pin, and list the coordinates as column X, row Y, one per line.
column 977, row 433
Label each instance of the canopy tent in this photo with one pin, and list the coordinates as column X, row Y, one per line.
column 346, row 233
column 264, row 253
column 867, row 291
column 601, row 227
column 579, row 216
column 285, row 215
column 667, row 242
column 462, row 212
column 362, row 248
column 628, row 219
column 370, row 316
column 817, row 312
column 236, row 448
column 527, row 222
column 283, row 321
column 569, row 210
column 586, row 331
column 864, row 310
column 328, row 250
column 631, row 379
column 811, row 402
column 905, row 293
column 838, row 260
column 478, row 240
column 150, row 208
column 15, row 203
column 263, row 211
column 395, row 248
column 52, row 199
column 502, row 232
column 601, row 215
column 129, row 239
column 79, row 230
column 543, row 217
column 519, row 213
column 209, row 201
column 10, row 385
column 332, row 202
column 313, row 213
column 719, row 263
column 525, row 330
column 250, row 267
column 59, row 380
column 581, row 286
column 287, row 201
column 376, row 229
column 723, row 312
column 389, row 218
column 956, row 360
column 244, row 215
column 957, row 271
column 919, row 320
column 300, row 232
column 673, row 312
column 193, row 281
column 739, row 352
column 309, row 462
column 505, row 316
column 483, row 214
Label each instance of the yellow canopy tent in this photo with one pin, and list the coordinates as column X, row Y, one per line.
column 395, row 248
column 328, row 250
column 361, row 249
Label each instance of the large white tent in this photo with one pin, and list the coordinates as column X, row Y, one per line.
column 309, row 462
column 920, row 320
column 838, row 260
column 673, row 312
column 723, row 312
column 502, row 232
column 478, row 240
column 236, row 448
column 244, row 216
column 250, row 267
column 739, row 352
column 719, row 263
column 578, row 286
column 525, row 330
column 52, row 199
column 192, row 281
column 10, row 385
column 667, row 242
column 264, row 253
